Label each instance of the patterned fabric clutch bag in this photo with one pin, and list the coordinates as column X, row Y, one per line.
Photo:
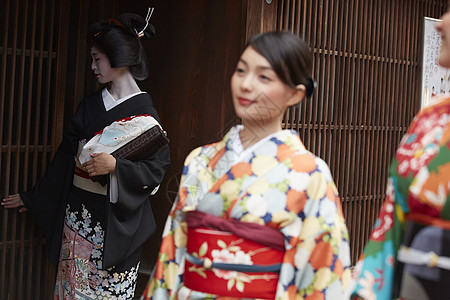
column 132, row 138
column 140, row 147
column 143, row 145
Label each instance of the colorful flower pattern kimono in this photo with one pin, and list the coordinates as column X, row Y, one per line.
column 417, row 189
column 277, row 183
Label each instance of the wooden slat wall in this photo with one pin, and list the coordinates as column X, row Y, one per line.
column 33, row 52
column 367, row 64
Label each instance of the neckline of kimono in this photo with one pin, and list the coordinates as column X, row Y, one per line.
column 236, row 144
column 109, row 102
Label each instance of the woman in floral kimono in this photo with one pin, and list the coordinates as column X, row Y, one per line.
column 93, row 207
column 408, row 254
column 257, row 214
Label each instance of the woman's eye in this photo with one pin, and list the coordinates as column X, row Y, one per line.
column 265, row 78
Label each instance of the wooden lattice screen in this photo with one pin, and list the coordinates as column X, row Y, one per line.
column 33, row 52
column 367, row 64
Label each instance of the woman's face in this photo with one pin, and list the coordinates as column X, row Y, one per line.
column 258, row 94
column 444, row 29
column 102, row 67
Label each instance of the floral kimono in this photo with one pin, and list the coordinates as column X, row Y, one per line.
column 275, row 194
column 409, row 249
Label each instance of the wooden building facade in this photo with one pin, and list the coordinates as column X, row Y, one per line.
column 367, row 64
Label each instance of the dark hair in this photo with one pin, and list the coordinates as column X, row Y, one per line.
column 288, row 55
column 118, row 39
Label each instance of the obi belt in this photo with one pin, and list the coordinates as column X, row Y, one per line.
column 424, row 259
column 232, row 258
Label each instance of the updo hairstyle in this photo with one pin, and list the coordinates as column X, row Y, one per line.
column 118, row 39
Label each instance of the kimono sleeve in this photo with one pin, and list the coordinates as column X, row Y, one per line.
column 169, row 268
column 317, row 258
column 47, row 200
column 374, row 272
column 130, row 220
column 136, row 180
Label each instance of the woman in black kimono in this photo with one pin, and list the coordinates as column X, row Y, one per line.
column 96, row 215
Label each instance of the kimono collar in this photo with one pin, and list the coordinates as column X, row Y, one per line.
column 109, row 102
column 234, row 143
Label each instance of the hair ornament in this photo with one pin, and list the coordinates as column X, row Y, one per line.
column 111, row 21
column 115, row 22
column 147, row 19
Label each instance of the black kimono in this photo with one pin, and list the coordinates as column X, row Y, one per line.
column 95, row 242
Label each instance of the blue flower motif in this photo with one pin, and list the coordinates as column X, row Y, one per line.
column 411, row 138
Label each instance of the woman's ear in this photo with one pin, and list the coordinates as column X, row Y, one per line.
column 298, row 95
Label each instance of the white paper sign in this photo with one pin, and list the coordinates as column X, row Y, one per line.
column 435, row 79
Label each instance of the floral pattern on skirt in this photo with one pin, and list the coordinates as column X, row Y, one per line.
column 80, row 274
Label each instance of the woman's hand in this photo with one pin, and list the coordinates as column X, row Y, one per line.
column 100, row 164
column 13, row 201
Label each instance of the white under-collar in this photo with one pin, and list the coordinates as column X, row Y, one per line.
column 239, row 153
column 109, row 102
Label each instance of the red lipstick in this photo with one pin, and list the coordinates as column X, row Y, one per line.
column 244, row 101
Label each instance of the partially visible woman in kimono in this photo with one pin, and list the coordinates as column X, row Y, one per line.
column 94, row 208
column 257, row 214
column 408, row 253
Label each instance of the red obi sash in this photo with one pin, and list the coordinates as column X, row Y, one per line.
column 232, row 258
